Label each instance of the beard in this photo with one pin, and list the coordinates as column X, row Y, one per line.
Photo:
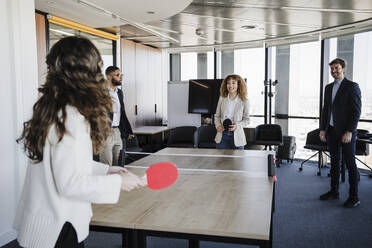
column 115, row 82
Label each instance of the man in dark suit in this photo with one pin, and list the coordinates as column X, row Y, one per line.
column 121, row 129
column 339, row 120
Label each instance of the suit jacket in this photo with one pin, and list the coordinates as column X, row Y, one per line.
column 124, row 126
column 241, row 117
column 346, row 107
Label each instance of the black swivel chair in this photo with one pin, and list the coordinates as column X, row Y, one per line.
column 268, row 135
column 361, row 149
column 313, row 142
column 182, row 137
column 205, row 137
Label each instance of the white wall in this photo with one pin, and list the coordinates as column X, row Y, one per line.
column 19, row 80
column 178, row 106
column 146, row 73
column 165, row 78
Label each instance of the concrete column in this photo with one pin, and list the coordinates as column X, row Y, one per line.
column 227, row 63
column 202, row 66
column 175, row 60
column 345, row 50
column 282, row 88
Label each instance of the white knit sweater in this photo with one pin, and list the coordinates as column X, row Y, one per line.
column 62, row 187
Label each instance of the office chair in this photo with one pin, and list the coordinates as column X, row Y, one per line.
column 361, row 149
column 182, row 137
column 250, row 138
column 205, row 136
column 268, row 135
column 313, row 142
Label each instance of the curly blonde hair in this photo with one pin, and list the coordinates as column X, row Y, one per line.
column 74, row 78
column 242, row 86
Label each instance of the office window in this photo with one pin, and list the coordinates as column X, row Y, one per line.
column 104, row 46
column 362, row 65
column 189, row 66
column 197, row 66
column 250, row 64
column 304, row 79
column 299, row 128
column 304, row 88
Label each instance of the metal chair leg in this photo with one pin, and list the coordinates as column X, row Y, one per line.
column 300, row 169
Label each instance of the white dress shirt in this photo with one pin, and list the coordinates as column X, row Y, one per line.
column 230, row 108
column 115, row 107
column 335, row 88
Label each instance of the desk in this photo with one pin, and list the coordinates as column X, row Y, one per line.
column 149, row 132
column 220, row 195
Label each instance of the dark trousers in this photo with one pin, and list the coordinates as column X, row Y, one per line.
column 346, row 152
column 68, row 238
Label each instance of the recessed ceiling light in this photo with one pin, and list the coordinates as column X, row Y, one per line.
column 150, row 12
column 50, row 2
column 248, row 26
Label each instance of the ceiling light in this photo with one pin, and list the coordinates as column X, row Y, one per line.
column 135, row 24
column 60, row 32
column 150, row 12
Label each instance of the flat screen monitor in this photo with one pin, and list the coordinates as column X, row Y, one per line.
column 203, row 95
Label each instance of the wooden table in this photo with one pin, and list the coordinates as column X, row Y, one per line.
column 220, row 195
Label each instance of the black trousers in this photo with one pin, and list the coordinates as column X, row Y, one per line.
column 68, row 238
column 346, row 152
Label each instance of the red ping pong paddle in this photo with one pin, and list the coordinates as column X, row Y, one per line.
column 161, row 175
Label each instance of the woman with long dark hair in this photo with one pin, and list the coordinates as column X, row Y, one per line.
column 232, row 114
column 70, row 121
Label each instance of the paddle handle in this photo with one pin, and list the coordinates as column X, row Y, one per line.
column 144, row 179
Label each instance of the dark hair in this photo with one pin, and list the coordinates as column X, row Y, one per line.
column 74, row 78
column 111, row 69
column 338, row 61
column 242, row 87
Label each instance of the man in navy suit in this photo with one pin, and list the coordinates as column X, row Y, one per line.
column 339, row 120
column 121, row 129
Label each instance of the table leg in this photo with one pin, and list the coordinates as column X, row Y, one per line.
column 129, row 239
column 193, row 243
column 141, row 239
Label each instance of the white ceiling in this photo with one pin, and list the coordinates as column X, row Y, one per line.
column 187, row 23
column 107, row 13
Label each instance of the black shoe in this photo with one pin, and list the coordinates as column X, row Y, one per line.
column 330, row 195
column 352, row 202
